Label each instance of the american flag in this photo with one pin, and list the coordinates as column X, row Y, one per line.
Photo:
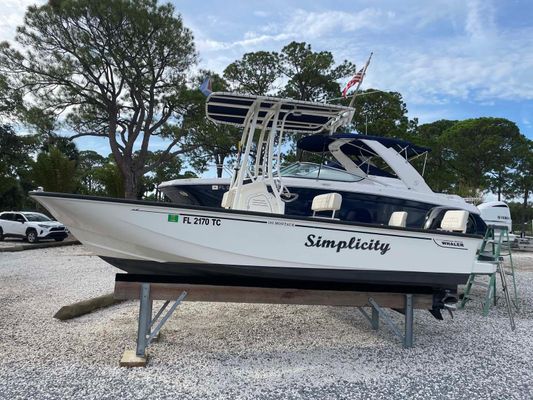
column 356, row 79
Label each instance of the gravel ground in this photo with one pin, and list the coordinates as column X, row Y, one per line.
column 243, row 351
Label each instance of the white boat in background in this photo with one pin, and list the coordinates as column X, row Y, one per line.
column 252, row 237
column 370, row 194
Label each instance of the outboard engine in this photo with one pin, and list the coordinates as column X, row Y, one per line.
column 496, row 213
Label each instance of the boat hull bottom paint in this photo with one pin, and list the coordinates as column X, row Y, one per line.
column 312, row 278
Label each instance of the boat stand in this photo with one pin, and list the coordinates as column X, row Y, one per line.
column 407, row 337
column 148, row 288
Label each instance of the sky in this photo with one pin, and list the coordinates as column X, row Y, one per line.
column 449, row 59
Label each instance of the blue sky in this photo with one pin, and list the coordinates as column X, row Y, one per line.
column 449, row 59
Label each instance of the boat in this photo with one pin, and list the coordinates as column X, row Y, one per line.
column 251, row 238
column 370, row 193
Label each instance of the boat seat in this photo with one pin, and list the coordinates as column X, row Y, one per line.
column 327, row 202
column 454, row 221
column 252, row 197
column 398, row 218
column 227, row 198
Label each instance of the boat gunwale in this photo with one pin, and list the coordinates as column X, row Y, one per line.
column 245, row 212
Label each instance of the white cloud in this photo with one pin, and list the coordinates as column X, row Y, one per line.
column 12, row 15
column 432, row 52
column 318, row 24
column 262, row 14
column 479, row 19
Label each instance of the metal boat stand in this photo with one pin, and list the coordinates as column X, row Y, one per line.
column 148, row 288
column 407, row 337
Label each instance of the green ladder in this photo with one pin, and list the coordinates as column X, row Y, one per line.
column 494, row 248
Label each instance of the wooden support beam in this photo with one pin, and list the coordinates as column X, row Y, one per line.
column 242, row 294
column 86, row 306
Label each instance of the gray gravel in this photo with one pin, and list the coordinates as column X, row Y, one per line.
column 243, row 351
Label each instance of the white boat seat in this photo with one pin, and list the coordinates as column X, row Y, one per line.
column 454, row 221
column 398, row 218
column 327, row 202
column 228, row 198
column 252, row 197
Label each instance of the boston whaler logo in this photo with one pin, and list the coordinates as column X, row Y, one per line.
column 352, row 244
column 450, row 244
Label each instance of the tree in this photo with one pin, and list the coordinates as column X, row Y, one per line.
column 88, row 163
column 439, row 173
column 382, row 113
column 522, row 216
column 10, row 99
column 521, row 180
column 115, row 67
column 63, row 144
column 54, row 171
column 311, row 75
column 255, row 73
column 216, row 143
column 165, row 172
column 15, row 158
column 45, row 124
column 110, row 178
column 481, row 150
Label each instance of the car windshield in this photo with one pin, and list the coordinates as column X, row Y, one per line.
column 36, row 217
column 315, row 171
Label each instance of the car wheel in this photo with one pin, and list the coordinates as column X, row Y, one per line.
column 32, row 236
column 1, row 234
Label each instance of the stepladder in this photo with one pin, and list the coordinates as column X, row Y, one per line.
column 496, row 249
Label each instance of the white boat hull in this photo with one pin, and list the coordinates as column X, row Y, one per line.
column 142, row 237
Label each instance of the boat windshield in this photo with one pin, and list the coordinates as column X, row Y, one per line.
column 37, row 217
column 315, row 171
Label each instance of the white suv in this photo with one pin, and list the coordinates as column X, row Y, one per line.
column 32, row 226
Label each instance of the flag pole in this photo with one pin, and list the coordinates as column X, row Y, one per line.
column 360, row 81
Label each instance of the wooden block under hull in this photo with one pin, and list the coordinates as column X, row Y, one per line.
column 241, row 294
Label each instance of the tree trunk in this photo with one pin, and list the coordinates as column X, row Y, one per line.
column 132, row 180
column 526, row 197
column 219, row 159
column 130, row 188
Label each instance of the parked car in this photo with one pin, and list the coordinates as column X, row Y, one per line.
column 32, row 226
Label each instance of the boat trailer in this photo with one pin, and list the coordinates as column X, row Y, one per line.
column 148, row 288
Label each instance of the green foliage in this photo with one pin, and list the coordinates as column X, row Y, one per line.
column 381, row 113
column 89, row 162
column 311, row 75
column 110, row 178
column 115, row 67
column 54, row 171
column 522, row 217
column 439, row 174
column 255, row 73
column 63, row 144
column 43, row 122
column 15, row 159
column 481, row 150
column 10, row 98
column 521, row 180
